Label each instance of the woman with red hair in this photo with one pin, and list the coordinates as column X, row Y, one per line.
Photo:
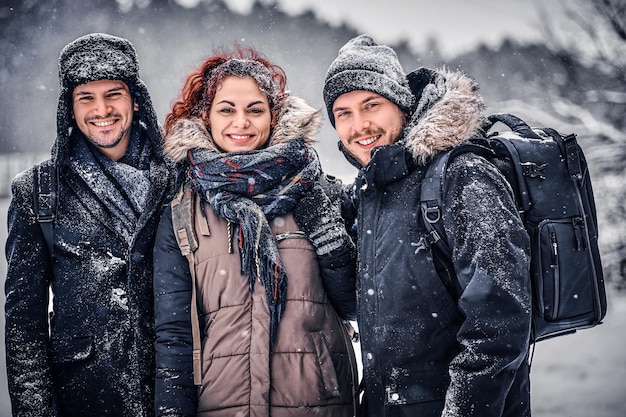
column 274, row 267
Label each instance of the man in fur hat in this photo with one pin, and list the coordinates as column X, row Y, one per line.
column 103, row 191
column 439, row 337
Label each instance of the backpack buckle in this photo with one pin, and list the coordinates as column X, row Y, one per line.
column 426, row 242
column 45, row 213
column 530, row 169
column 433, row 214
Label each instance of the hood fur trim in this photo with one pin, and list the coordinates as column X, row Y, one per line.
column 456, row 117
column 296, row 120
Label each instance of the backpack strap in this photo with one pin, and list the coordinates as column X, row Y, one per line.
column 432, row 191
column 431, row 207
column 45, row 201
column 569, row 147
column 514, row 123
column 182, row 223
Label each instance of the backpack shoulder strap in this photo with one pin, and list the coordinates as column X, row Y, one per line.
column 431, row 207
column 182, row 219
column 431, row 202
column 431, row 197
column 45, row 200
column 182, row 223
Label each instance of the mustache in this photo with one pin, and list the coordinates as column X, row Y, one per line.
column 367, row 133
column 107, row 116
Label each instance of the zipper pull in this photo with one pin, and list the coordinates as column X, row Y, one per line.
column 555, row 250
column 579, row 225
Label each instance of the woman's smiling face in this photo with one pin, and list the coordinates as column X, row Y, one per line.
column 240, row 118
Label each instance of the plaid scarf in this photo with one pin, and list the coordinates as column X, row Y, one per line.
column 249, row 188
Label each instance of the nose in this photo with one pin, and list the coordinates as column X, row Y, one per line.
column 101, row 107
column 241, row 122
column 361, row 123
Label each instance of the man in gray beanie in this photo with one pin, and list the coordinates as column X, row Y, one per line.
column 81, row 228
column 441, row 335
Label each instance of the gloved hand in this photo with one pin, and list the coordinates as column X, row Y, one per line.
column 318, row 214
column 320, row 218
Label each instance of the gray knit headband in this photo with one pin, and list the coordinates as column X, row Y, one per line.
column 249, row 68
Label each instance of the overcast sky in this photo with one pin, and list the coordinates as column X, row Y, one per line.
column 457, row 24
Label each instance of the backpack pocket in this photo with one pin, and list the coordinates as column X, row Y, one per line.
column 563, row 276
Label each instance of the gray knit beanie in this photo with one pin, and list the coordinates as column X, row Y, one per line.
column 99, row 56
column 364, row 65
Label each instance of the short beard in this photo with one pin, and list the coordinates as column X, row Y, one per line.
column 112, row 144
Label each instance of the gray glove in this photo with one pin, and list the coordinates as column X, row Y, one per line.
column 320, row 218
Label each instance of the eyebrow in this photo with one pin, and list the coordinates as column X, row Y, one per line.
column 365, row 100
column 87, row 93
column 251, row 104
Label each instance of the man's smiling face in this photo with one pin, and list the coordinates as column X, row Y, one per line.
column 103, row 111
column 365, row 120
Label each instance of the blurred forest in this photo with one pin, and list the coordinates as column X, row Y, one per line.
column 574, row 81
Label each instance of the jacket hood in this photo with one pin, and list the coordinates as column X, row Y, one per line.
column 296, row 120
column 453, row 116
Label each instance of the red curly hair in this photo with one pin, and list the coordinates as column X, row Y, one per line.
column 201, row 84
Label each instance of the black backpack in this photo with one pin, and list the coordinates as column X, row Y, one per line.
column 552, row 189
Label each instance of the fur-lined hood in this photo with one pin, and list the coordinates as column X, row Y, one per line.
column 453, row 118
column 296, row 120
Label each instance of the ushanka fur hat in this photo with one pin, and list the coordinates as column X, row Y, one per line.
column 364, row 65
column 99, row 56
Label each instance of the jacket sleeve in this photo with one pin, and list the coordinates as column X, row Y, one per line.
column 338, row 270
column 491, row 255
column 338, row 267
column 175, row 393
column 29, row 273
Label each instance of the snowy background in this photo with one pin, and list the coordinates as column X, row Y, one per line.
column 558, row 64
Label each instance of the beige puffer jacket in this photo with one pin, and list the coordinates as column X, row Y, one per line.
column 312, row 370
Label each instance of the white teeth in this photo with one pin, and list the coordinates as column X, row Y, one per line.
column 368, row 141
column 103, row 124
column 239, row 136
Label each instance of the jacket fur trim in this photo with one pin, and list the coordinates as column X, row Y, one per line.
column 296, row 120
column 456, row 117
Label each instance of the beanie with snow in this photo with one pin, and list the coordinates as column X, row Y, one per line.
column 95, row 57
column 364, row 65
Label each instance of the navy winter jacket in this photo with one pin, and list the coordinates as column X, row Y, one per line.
column 431, row 347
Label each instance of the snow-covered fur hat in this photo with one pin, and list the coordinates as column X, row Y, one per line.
column 364, row 65
column 100, row 56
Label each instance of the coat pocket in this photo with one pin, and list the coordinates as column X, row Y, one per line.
column 71, row 349
column 326, row 366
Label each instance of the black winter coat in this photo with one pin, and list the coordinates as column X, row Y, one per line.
column 94, row 354
column 430, row 350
